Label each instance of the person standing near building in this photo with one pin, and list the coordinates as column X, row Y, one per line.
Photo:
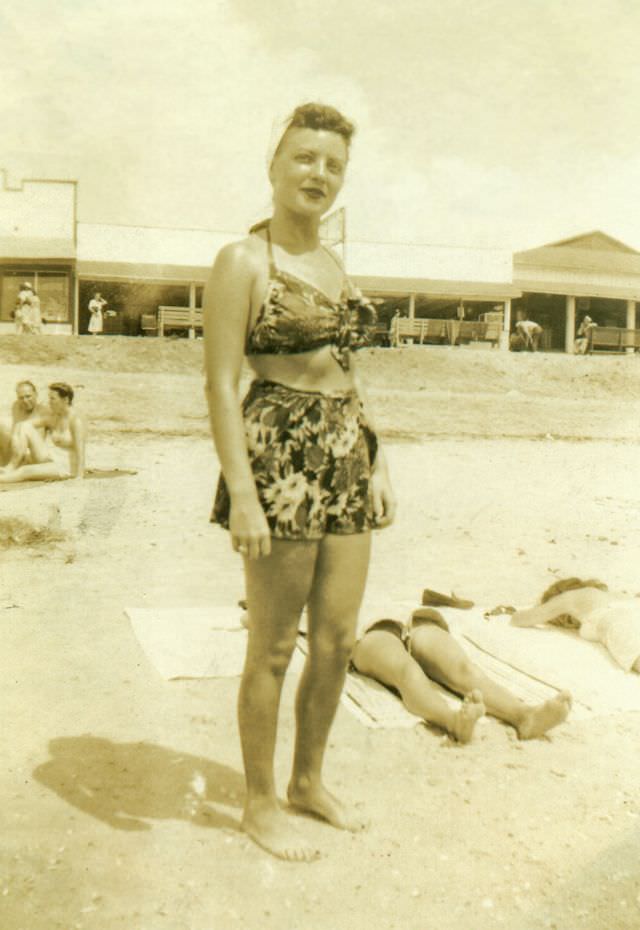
column 96, row 308
column 27, row 314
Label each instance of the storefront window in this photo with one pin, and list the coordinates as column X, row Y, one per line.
column 52, row 287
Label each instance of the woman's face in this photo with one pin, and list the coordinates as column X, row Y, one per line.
column 57, row 403
column 308, row 171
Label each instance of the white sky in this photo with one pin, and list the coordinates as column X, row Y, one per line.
column 502, row 123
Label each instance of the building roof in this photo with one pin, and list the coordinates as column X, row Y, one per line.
column 140, row 271
column 428, row 287
column 591, row 252
column 14, row 248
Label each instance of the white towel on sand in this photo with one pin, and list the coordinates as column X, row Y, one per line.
column 191, row 642
column 553, row 656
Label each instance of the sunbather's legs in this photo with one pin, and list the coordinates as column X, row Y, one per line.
column 382, row 656
column 44, row 471
column 28, row 446
column 444, row 660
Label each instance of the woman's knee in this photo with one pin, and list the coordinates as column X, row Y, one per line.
column 272, row 657
column 333, row 645
column 462, row 672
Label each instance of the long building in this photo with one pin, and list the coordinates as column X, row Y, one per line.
column 138, row 269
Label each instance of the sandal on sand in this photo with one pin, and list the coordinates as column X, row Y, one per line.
column 435, row 599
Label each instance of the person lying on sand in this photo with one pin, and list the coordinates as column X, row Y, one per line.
column 598, row 614
column 25, row 407
column 51, row 445
column 409, row 658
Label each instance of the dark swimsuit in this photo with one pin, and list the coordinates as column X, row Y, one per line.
column 403, row 631
column 311, row 453
column 298, row 317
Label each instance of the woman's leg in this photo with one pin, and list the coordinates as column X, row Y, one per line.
column 277, row 587
column 45, row 471
column 332, row 609
column 444, row 660
column 382, row 656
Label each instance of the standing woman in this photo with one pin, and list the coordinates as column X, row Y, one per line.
column 303, row 480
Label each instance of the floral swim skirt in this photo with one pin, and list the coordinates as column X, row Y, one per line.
column 311, row 455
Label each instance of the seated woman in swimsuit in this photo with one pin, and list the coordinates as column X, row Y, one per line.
column 410, row 658
column 596, row 613
column 59, row 453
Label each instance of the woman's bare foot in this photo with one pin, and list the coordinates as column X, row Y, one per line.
column 319, row 802
column 538, row 720
column 268, row 826
column 465, row 719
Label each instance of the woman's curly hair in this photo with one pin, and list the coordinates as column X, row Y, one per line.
column 321, row 116
column 569, row 584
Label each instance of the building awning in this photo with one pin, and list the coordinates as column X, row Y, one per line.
column 35, row 249
column 130, row 271
column 469, row 290
column 578, row 289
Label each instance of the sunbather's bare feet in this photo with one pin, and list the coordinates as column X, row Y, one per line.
column 319, row 802
column 539, row 720
column 268, row 826
column 465, row 719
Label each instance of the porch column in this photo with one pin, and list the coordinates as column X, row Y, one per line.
column 192, row 307
column 631, row 321
column 506, row 325
column 75, row 323
column 570, row 325
column 412, row 306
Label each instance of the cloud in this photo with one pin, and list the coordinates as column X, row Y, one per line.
column 481, row 123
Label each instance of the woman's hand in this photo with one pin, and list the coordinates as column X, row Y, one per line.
column 250, row 534
column 382, row 496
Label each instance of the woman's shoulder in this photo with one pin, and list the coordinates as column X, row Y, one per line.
column 243, row 254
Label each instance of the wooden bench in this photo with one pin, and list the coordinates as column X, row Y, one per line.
column 149, row 324
column 404, row 329
column 613, row 339
column 479, row 331
column 189, row 318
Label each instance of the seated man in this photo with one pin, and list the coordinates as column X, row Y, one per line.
column 409, row 658
column 25, row 407
column 583, row 339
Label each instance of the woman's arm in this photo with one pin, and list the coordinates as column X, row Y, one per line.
column 384, row 502
column 78, row 431
column 227, row 308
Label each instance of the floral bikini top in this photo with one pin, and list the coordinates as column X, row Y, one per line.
column 298, row 317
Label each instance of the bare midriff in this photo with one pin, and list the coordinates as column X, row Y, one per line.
column 317, row 370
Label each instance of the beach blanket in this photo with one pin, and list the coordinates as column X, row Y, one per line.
column 556, row 658
column 89, row 473
column 535, row 664
column 378, row 707
column 191, row 642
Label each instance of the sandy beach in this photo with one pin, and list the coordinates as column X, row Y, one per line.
column 122, row 791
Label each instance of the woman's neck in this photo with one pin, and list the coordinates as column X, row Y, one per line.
column 295, row 233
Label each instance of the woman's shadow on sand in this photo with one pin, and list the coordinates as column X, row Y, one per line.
column 126, row 785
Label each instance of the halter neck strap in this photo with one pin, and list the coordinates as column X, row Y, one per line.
column 272, row 261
